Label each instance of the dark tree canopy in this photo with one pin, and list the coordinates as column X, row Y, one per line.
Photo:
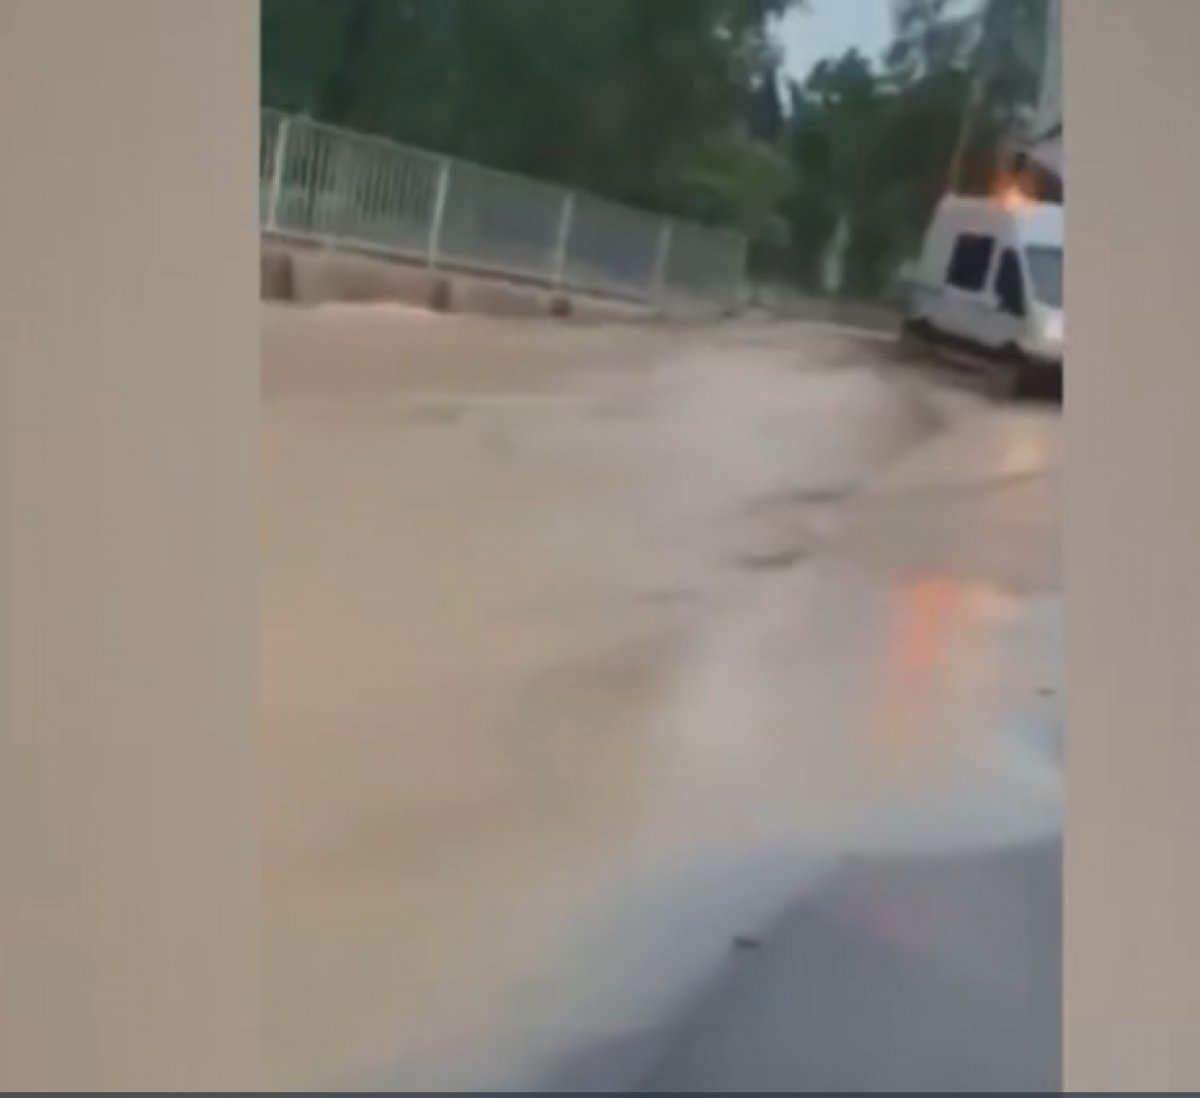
column 616, row 96
column 680, row 106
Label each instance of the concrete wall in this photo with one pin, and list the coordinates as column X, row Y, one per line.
column 312, row 275
column 309, row 275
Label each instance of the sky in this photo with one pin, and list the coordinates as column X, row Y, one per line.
column 830, row 27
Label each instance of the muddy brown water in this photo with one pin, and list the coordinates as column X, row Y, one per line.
column 541, row 731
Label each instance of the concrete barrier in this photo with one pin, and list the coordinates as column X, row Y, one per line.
column 320, row 276
column 313, row 275
column 585, row 309
column 494, row 297
column 275, row 274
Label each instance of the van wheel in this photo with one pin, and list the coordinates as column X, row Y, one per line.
column 1010, row 375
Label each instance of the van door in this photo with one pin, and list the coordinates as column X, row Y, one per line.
column 966, row 300
column 1006, row 324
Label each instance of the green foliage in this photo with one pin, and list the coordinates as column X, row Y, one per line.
column 735, row 180
column 675, row 105
column 874, row 149
column 930, row 36
column 629, row 98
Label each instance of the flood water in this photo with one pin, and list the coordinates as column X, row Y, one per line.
column 587, row 649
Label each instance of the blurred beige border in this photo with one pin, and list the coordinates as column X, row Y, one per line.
column 128, row 350
column 1132, row 884
column 128, row 337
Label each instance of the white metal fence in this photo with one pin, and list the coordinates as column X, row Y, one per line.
column 318, row 182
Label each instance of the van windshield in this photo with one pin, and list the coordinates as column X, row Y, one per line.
column 1046, row 273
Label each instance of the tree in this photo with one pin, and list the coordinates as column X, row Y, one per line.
column 1008, row 64
column 836, row 120
column 929, row 37
column 624, row 97
column 676, row 105
column 874, row 149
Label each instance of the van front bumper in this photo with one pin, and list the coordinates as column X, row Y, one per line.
column 1045, row 357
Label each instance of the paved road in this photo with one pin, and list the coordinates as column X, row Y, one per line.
column 912, row 973
column 590, row 652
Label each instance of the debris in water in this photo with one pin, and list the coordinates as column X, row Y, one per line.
column 769, row 561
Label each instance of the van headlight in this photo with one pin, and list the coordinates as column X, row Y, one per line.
column 1052, row 330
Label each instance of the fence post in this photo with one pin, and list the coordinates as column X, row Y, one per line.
column 665, row 235
column 278, row 153
column 566, row 218
column 439, row 212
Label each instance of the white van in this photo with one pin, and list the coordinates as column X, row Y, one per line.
column 990, row 278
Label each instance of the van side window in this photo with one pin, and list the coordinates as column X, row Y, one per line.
column 1010, row 286
column 970, row 261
